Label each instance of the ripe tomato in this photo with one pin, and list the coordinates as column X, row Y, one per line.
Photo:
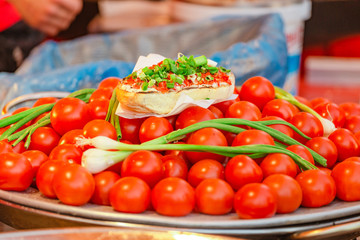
column 204, row 169
column 279, row 108
column 18, row 148
column 326, row 148
column 101, row 93
column 19, row 110
column 68, row 114
column 70, row 136
column 243, row 110
column 355, row 159
column 288, row 192
column 16, row 173
column 67, row 153
column 206, row 136
column 44, row 139
column 98, row 108
column 303, row 100
column 317, row 186
column 217, row 112
column 280, row 127
column 154, row 127
column 302, row 152
column 45, row 100
column 346, row 143
column 251, row 137
column 174, row 166
column 109, row 82
column 307, row 124
column 173, row 197
column 45, row 176
column 224, row 106
column 104, row 181
column 5, row 147
column 130, row 129
column 352, row 123
column 278, row 163
column 347, row 181
column 241, row 170
column 130, row 195
column 193, row 115
column 319, row 100
column 255, row 200
column 143, row 164
column 257, row 90
column 36, row 158
column 73, row 184
column 214, row 196
column 350, row 108
column 332, row 112
column 99, row 127
column 178, row 153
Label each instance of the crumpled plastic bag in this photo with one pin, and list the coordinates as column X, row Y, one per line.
column 248, row 46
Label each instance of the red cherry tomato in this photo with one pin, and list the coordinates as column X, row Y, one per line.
column 109, row 82
column 206, row 136
column 71, row 136
column 130, row 195
column 319, row 100
column 36, row 158
column 302, row 152
column 130, row 129
column 143, row 164
column 193, row 115
column 154, row 127
column 352, row 123
column 307, row 124
column 241, row 170
column 67, row 153
column 217, row 112
column 174, row 166
column 326, row 148
column 288, row 192
column 244, row 110
column 45, row 100
column 224, row 106
column 255, row 200
column 346, row 143
column 99, row 127
column 318, row 188
column 257, row 90
column 101, row 93
column 214, row 196
column 350, row 108
column 204, row 169
column 98, row 108
column 279, row 127
column 5, row 147
column 44, row 139
column 278, row 163
column 346, row 177
column 104, row 181
column 253, row 136
column 16, row 172
column 170, row 192
column 68, row 114
column 45, row 176
column 73, row 184
column 279, row 108
column 332, row 112
column 303, row 100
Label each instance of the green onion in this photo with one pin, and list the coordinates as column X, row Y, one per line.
column 200, row 61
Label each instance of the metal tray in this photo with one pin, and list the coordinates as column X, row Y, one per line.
column 29, row 209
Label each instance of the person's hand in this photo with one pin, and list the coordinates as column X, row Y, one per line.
column 48, row 16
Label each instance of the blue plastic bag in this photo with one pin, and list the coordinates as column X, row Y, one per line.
column 248, row 46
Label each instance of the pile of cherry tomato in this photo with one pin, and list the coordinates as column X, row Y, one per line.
column 177, row 183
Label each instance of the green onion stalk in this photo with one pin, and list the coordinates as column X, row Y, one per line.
column 20, row 119
column 328, row 125
column 97, row 159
